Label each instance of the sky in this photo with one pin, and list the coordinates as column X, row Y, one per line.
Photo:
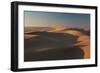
column 54, row 19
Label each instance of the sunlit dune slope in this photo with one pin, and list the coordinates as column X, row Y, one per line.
column 83, row 40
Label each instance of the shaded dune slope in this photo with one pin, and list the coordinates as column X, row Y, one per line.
column 53, row 46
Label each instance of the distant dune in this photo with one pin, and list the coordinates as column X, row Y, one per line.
column 49, row 43
column 36, row 29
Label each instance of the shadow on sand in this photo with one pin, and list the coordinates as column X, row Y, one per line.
column 51, row 46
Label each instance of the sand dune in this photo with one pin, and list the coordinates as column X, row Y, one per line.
column 83, row 40
column 64, row 42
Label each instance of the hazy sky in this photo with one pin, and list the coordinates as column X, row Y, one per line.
column 46, row 19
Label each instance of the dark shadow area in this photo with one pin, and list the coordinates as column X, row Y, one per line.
column 51, row 46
